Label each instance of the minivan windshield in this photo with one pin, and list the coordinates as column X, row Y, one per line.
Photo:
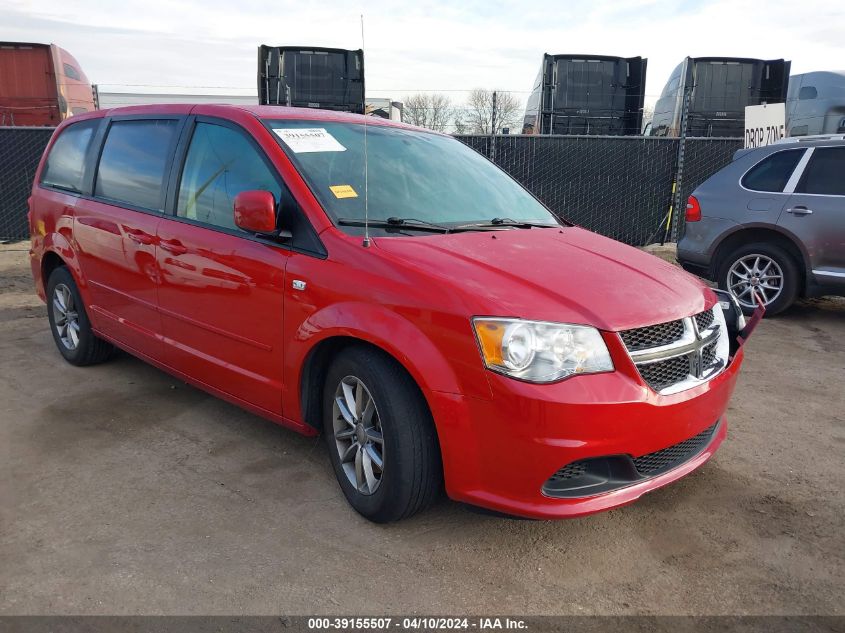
column 415, row 176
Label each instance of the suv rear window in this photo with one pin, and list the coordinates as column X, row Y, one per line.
column 825, row 173
column 133, row 162
column 66, row 160
column 772, row 173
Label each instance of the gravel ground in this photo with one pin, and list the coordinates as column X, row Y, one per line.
column 124, row 491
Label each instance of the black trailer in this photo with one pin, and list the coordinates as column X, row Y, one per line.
column 718, row 89
column 587, row 94
column 309, row 77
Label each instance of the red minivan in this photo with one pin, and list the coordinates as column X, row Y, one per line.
column 390, row 288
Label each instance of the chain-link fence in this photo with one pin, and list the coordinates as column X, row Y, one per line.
column 619, row 186
column 702, row 158
column 615, row 185
column 20, row 151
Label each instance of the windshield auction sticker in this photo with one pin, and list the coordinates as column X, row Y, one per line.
column 343, row 191
column 309, row 139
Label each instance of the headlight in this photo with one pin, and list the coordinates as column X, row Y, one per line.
column 538, row 351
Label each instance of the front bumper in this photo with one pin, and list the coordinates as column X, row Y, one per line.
column 499, row 453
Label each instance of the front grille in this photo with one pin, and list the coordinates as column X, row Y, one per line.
column 671, row 353
column 704, row 320
column 570, row 471
column 665, row 373
column 597, row 475
column 668, row 458
column 653, row 335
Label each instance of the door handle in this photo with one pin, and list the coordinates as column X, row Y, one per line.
column 139, row 237
column 799, row 210
column 173, row 246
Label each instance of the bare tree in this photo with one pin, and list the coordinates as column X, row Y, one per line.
column 459, row 123
column 431, row 110
column 648, row 114
column 479, row 111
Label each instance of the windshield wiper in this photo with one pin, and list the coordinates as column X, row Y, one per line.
column 496, row 223
column 529, row 223
column 407, row 224
column 414, row 224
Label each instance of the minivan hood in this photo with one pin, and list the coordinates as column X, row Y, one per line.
column 567, row 275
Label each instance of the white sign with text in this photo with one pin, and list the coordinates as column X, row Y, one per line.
column 764, row 124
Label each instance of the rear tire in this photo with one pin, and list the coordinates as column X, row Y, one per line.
column 381, row 437
column 764, row 268
column 69, row 322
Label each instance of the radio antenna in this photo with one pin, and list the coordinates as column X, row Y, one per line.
column 366, row 243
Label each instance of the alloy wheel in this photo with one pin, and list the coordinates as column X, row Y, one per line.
column 755, row 274
column 65, row 317
column 358, row 435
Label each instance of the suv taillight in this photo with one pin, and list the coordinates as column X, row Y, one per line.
column 693, row 210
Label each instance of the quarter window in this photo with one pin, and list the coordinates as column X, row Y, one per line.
column 807, row 92
column 133, row 163
column 825, row 173
column 221, row 163
column 66, row 161
column 71, row 72
column 773, row 173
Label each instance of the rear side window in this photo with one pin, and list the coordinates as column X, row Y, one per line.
column 132, row 166
column 66, row 161
column 825, row 173
column 220, row 164
column 772, row 173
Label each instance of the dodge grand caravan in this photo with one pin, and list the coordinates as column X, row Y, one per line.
column 390, row 288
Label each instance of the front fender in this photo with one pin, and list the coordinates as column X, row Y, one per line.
column 384, row 328
column 446, row 382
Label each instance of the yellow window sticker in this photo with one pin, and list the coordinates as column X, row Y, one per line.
column 343, row 191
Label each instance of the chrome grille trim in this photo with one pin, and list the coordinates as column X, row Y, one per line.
column 704, row 320
column 659, row 365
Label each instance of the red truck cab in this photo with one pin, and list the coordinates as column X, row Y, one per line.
column 41, row 84
column 424, row 312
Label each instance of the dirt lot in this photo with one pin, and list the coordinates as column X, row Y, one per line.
column 125, row 491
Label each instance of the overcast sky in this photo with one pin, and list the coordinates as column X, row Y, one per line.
column 426, row 45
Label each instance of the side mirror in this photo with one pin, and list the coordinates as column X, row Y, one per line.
column 255, row 211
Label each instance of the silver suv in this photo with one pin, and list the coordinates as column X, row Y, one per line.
column 772, row 223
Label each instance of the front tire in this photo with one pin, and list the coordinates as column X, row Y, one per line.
column 69, row 322
column 764, row 269
column 380, row 435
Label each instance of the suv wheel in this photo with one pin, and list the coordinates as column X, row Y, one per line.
column 381, row 437
column 762, row 269
column 69, row 322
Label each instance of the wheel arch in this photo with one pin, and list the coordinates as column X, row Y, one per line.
column 313, row 375
column 317, row 362
column 748, row 234
column 359, row 324
column 49, row 262
column 57, row 251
